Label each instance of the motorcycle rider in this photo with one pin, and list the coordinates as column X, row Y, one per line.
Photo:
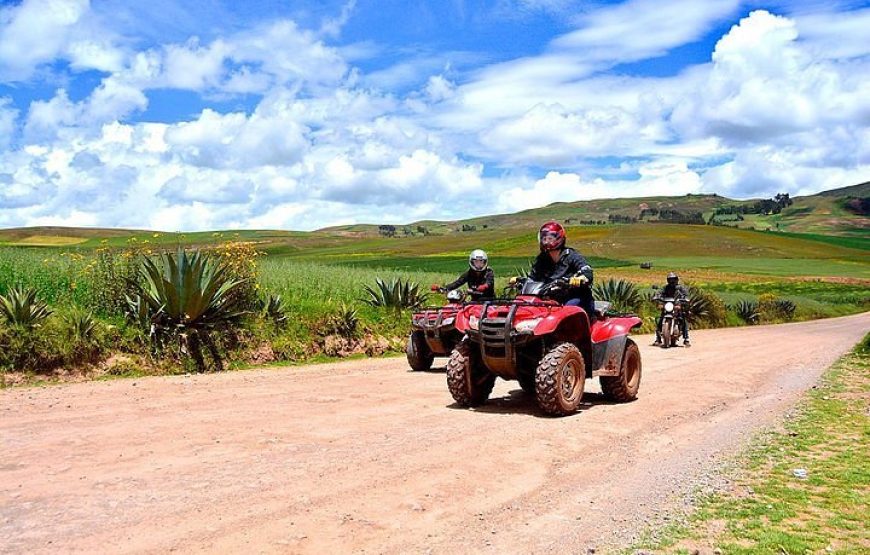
column 479, row 277
column 556, row 261
column 673, row 290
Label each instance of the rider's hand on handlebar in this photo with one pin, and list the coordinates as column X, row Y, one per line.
column 513, row 280
column 577, row 281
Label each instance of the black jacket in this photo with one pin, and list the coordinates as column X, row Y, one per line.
column 474, row 279
column 571, row 263
column 672, row 292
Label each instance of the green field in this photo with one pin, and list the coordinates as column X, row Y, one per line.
column 323, row 274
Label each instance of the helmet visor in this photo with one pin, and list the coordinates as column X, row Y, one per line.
column 549, row 238
column 478, row 263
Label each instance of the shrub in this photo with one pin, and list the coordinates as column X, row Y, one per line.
column 747, row 311
column 275, row 311
column 398, row 293
column 704, row 308
column 773, row 309
column 190, row 295
column 623, row 294
column 344, row 322
column 20, row 307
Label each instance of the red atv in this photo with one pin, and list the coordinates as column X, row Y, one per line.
column 433, row 331
column 550, row 348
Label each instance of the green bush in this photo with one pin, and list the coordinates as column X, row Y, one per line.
column 705, row 309
column 397, row 293
column 747, row 311
column 622, row 294
column 20, row 308
column 191, row 297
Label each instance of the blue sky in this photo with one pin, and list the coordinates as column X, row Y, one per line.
column 190, row 115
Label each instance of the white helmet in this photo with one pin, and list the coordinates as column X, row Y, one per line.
column 478, row 260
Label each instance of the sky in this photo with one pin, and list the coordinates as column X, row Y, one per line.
column 183, row 115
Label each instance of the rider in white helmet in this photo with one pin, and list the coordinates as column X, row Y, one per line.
column 479, row 277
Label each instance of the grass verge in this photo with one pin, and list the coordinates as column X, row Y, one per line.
column 771, row 507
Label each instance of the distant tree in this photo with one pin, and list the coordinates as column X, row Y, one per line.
column 387, row 230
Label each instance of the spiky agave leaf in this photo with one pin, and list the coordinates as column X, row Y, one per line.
column 81, row 325
column 621, row 293
column 191, row 290
column 397, row 293
column 747, row 311
column 20, row 307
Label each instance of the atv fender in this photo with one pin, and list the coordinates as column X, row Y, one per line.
column 569, row 323
column 603, row 330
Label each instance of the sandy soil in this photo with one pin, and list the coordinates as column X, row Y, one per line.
column 364, row 456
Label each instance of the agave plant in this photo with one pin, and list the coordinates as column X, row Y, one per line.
column 20, row 307
column 81, row 326
column 343, row 322
column 784, row 308
column 398, row 293
column 190, row 294
column 274, row 310
column 747, row 311
column 622, row 294
column 699, row 305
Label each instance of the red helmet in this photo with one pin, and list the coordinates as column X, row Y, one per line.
column 551, row 236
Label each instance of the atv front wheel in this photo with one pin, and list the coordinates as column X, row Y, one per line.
column 420, row 356
column 623, row 388
column 469, row 382
column 559, row 380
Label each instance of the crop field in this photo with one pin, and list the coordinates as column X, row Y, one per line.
column 321, row 277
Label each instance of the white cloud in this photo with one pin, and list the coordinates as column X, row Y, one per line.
column 37, row 32
column 779, row 106
column 640, row 29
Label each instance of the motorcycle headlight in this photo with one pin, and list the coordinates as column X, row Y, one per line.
column 447, row 321
column 528, row 326
column 474, row 322
column 669, row 306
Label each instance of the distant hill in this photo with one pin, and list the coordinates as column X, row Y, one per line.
column 826, row 213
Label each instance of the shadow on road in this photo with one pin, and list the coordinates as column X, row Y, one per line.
column 518, row 401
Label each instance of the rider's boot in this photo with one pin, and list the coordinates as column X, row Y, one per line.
column 658, row 341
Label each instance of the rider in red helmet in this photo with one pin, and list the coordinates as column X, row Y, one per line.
column 556, row 261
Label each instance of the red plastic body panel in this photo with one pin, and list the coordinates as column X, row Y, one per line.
column 556, row 317
column 603, row 330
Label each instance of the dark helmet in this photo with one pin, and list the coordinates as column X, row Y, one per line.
column 551, row 236
column 673, row 279
column 477, row 260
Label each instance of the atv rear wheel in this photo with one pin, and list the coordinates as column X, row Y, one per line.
column 623, row 388
column 559, row 380
column 420, row 356
column 469, row 382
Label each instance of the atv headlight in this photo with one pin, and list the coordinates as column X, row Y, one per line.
column 474, row 322
column 669, row 306
column 447, row 321
column 528, row 326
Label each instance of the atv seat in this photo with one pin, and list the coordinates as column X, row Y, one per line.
column 601, row 308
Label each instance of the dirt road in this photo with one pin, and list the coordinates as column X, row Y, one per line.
column 364, row 456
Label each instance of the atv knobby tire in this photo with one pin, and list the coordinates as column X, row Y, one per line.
column 624, row 387
column 559, row 380
column 469, row 382
column 420, row 356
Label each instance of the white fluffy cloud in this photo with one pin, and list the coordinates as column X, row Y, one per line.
column 36, row 32
column 781, row 105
